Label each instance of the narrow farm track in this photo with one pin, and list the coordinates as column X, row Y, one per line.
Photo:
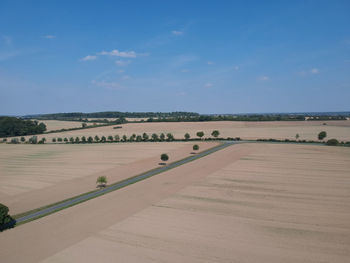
column 38, row 213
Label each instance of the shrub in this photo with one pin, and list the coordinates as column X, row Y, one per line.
column 145, row 136
column 6, row 221
column 322, row 135
column 215, row 133
column 33, row 140
column 14, row 140
column 195, row 147
column 155, row 137
column 200, row 134
column 332, row 142
column 170, row 137
column 164, row 157
column 101, row 181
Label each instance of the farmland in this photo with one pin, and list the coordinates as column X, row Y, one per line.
column 246, row 203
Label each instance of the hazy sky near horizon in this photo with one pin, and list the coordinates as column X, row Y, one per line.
column 202, row 56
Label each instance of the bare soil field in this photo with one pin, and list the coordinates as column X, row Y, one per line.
column 246, row 203
column 35, row 175
column 52, row 125
column 307, row 130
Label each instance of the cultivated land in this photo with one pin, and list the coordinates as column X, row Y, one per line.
column 52, row 125
column 246, row 203
column 36, row 175
column 307, row 130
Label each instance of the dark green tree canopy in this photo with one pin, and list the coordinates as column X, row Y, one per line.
column 11, row 126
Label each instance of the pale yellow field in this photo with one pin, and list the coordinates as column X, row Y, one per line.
column 52, row 125
column 247, row 203
column 307, row 130
column 35, row 175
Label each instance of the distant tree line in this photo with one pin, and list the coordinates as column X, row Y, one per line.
column 11, row 126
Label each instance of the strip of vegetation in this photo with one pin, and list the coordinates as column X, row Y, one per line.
column 129, row 181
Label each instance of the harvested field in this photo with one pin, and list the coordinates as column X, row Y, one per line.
column 246, row 203
column 35, row 175
column 52, row 125
column 308, row 130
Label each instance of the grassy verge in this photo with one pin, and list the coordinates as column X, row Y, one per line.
column 155, row 172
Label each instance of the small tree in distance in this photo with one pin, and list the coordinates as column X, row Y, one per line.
column 164, row 157
column 101, row 181
column 90, row 139
column 215, row 133
column 200, row 134
column 187, row 136
column 297, row 136
column 97, row 139
column 195, row 147
column 322, row 135
column 23, row 139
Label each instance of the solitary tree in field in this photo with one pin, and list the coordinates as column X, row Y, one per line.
column 200, row 134
column 215, row 133
column 101, row 181
column 187, row 136
column 155, row 137
column 322, row 135
column 145, row 136
column 195, row 147
column 90, row 139
column 97, row 139
column 162, row 136
column 164, row 157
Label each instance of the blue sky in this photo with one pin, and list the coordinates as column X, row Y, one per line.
column 202, row 56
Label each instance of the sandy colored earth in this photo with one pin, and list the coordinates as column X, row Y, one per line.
column 246, row 203
column 307, row 130
column 35, row 175
column 52, row 125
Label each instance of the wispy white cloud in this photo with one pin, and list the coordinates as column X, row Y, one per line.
column 177, row 33
column 208, row 85
column 49, row 36
column 117, row 53
column 89, row 58
column 107, row 85
column 122, row 63
column 264, row 78
column 210, row 63
column 315, row 71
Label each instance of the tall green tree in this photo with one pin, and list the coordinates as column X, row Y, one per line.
column 187, row 136
column 200, row 134
column 215, row 133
